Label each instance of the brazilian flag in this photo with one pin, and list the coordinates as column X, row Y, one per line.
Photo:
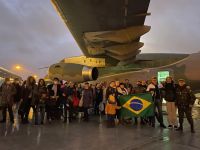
column 136, row 105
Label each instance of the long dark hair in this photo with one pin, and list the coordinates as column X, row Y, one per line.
column 41, row 80
column 29, row 82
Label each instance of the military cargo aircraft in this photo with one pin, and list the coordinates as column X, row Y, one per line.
column 108, row 33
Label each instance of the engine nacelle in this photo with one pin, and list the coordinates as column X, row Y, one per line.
column 73, row 72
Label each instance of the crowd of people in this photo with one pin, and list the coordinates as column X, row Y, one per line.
column 65, row 100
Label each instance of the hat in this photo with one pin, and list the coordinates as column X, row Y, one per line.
column 181, row 80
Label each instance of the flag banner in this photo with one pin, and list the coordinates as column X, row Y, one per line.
column 136, row 105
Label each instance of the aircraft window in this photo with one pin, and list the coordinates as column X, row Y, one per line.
column 162, row 75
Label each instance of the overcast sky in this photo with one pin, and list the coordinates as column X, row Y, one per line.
column 33, row 35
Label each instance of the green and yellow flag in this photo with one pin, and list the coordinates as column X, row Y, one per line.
column 136, row 105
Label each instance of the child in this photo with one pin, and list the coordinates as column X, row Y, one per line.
column 110, row 111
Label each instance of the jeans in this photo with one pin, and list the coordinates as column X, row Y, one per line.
column 86, row 115
column 158, row 111
column 9, row 107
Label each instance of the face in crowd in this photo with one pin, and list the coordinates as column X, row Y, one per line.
column 7, row 81
column 122, row 86
column 154, row 81
column 112, row 84
column 32, row 80
column 181, row 83
column 98, row 86
column 144, row 82
column 126, row 81
column 117, row 83
column 139, row 83
column 71, row 84
column 56, row 81
column 168, row 80
column 86, row 86
column 41, row 82
column 17, row 81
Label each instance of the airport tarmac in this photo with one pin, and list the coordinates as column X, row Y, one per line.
column 94, row 135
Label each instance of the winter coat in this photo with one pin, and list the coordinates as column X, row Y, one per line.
column 111, row 91
column 184, row 96
column 8, row 92
column 33, row 94
column 87, row 98
column 17, row 96
column 169, row 92
column 99, row 95
column 42, row 91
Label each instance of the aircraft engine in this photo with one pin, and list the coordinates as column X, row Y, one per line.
column 73, row 72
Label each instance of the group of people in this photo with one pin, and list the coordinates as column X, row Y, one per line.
column 65, row 100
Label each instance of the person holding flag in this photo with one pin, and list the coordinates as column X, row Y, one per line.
column 155, row 90
column 110, row 111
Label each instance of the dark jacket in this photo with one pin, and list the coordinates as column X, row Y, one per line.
column 42, row 93
column 8, row 92
column 17, row 96
column 24, row 93
column 87, row 98
column 51, row 92
column 169, row 92
column 184, row 96
column 33, row 94
column 111, row 91
column 99, row 95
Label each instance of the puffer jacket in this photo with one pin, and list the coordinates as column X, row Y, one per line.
column 87, row 98
column 184, row 96
column 169, row 92
column 33, row 94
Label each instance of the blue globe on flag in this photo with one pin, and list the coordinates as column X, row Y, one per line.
column 136, row 104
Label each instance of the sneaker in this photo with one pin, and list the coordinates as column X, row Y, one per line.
column 2, row 121
column 175, row 127
column 170, row 126
column 163, row 126
column 153, row 125
column 192, row 131
column 179, row 129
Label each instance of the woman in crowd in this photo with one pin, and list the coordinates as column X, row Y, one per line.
column 121, row 90
column 170, row 97
column 98, row 98
column 53, row 103
column 24, row 103
column 42, row 92
column 33, row 98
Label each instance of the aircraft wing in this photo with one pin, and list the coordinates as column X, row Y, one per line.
column 106, row 28
column 7, row 74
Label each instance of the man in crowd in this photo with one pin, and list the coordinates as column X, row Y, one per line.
column 155, row 89
column 8, row 91
column 52, row 107
column 185, row 100
column 87, row 98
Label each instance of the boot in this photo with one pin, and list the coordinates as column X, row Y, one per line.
column 192, row 129
column 162, row 125
column 180, row 128
column 3, row 121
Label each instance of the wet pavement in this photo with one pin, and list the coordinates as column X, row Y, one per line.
column 94, row 135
